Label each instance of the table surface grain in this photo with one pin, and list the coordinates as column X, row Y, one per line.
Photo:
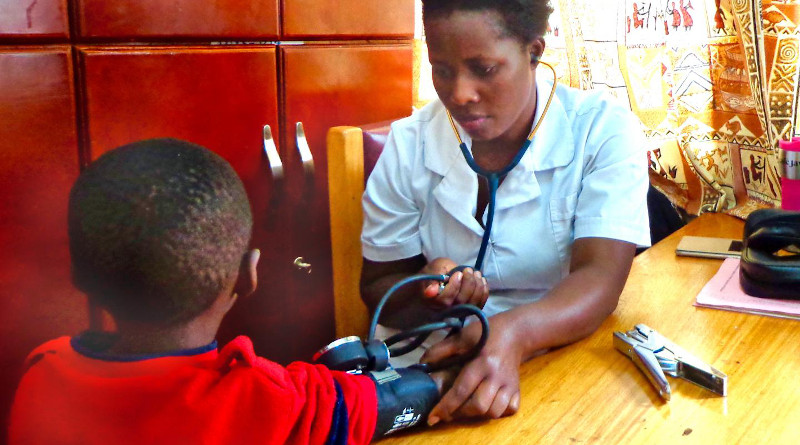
column 588, row 392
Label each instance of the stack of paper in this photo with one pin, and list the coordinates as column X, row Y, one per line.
column 723, row 292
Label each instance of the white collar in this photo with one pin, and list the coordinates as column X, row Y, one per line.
column 553, row 146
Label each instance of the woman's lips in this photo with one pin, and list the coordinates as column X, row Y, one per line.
column 471, row 123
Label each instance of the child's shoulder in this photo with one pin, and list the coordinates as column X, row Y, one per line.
column 56, row 346
column 238, row 359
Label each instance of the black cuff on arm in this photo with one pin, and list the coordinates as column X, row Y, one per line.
column 405, row 398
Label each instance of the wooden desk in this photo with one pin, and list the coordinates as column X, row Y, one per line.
column 588, row 392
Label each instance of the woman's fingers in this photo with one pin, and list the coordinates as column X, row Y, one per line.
column 445, row 296
column 474, row 289
column 463, row 287
column 432, row 289
column 446, row 348
column 444, row 379
column 469, row 283
column 513, row 405
column 484, row 295
column 506, row 402
column 463, row 387
column 480, row 402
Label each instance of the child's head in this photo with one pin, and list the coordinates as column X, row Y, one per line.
column 158, row 230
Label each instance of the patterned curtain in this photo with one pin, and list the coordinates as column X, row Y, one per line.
column 714, row 82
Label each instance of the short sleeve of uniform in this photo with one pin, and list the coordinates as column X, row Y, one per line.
column 391, row 214
column 612, row 202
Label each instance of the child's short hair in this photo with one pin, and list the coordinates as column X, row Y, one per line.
column 157, row 230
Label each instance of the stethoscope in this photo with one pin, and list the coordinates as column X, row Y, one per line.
column 493, row 177
column 353, row 355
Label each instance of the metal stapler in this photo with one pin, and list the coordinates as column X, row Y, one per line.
column 655, row 355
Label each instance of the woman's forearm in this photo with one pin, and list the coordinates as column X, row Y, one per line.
column 577, row 306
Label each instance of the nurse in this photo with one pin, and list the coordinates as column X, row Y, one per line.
column 567, row 219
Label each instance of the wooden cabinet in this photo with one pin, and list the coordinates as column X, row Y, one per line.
column 34, row 19
column 38, row 164
column 221, row 98
column 210, row 72
column 217, row 98
column 159, row 19
column 257, row 19
column 348, row 19
column 323, row 86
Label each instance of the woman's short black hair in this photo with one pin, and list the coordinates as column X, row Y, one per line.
column 524, row 20
column 157, row 230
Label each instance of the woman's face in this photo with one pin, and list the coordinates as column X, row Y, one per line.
column 485, row 79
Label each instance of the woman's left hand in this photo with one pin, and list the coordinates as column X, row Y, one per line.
column 487, row 386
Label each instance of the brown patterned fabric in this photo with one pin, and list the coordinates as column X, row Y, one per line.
column 714, row 83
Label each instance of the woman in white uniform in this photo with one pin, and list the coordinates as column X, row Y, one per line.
column 567, row 220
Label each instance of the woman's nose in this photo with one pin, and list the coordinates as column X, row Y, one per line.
column 463, row 91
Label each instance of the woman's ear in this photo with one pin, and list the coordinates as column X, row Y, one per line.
column 536, row 49
column 247, row 281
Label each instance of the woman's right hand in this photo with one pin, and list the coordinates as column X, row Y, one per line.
column 464, row 287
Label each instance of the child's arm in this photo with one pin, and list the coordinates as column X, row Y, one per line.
column 405, row 397
column 314, row 405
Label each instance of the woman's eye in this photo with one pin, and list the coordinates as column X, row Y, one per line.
column 485, row 70
column 440, row 72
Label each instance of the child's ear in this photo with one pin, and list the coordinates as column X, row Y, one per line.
column 247, row 281
column 77, row 279
column 80, row 280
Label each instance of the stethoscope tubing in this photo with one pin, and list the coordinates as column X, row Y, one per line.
column 374, row 323
column 493, row 181
column 493, row 177
column 460, row 312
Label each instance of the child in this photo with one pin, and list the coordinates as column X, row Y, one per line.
column 159, row 233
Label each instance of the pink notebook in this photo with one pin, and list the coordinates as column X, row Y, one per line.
column 723, row 292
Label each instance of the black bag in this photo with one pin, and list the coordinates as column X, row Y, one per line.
column 770, row 264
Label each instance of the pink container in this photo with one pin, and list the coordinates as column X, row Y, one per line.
column 790, row 176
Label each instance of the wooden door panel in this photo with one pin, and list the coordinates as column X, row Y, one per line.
column 218, row 98
column 38, row 164
column 34, row 19
column 325, row 86
column 147, row 19
column 329, row 85
column 348, row 18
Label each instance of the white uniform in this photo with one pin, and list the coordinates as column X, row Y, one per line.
column 584, row 175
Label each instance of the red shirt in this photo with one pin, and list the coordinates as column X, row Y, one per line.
column 195, row 397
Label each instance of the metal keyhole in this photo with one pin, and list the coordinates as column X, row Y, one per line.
column 301, row 264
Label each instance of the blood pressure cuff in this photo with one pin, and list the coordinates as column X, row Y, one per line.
column 770, row 264
column 405, row 398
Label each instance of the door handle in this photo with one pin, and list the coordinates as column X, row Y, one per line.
column 301, row 264
column 304, row 149
column 274, row 159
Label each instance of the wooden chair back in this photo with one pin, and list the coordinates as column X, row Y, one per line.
column 352, row 154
